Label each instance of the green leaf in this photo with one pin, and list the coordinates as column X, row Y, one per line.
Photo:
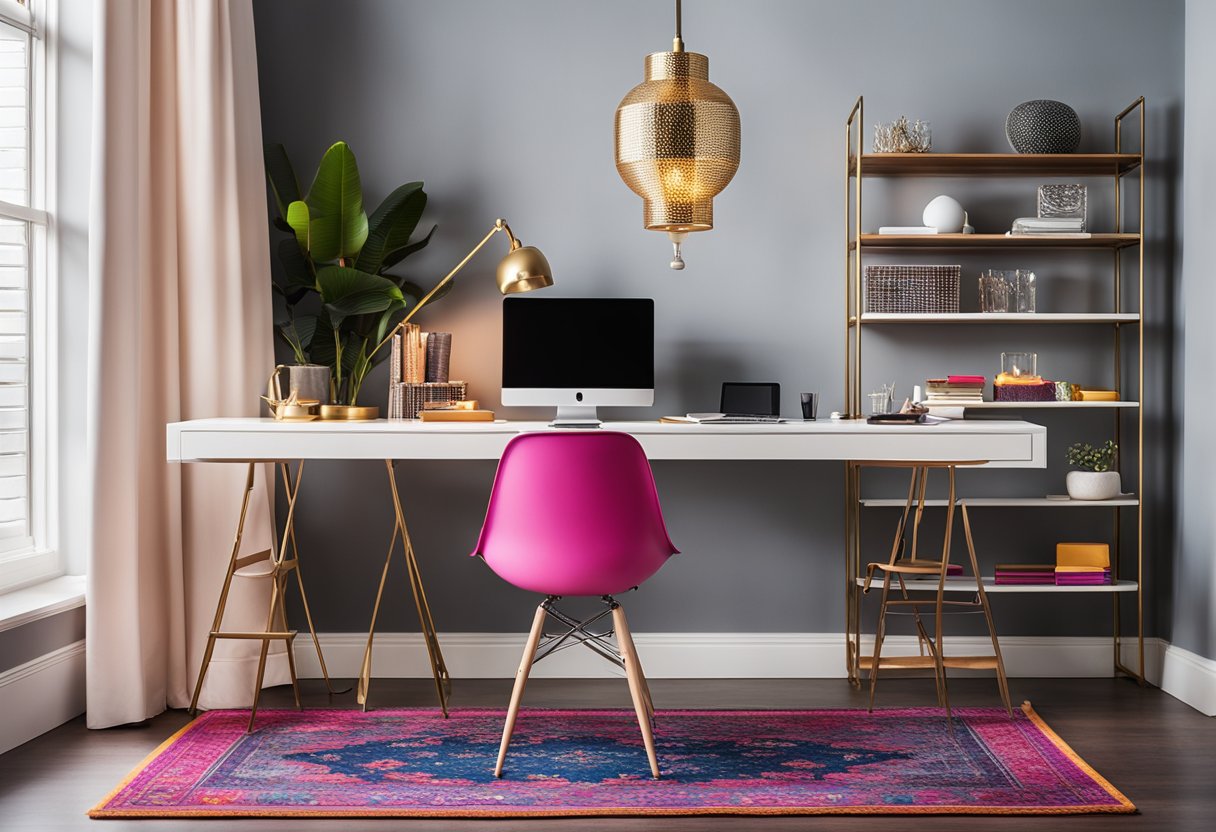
column 397, row 255
column 415, row 291
column 300, row 220
column 295, row 265
column 305, row 327
column 321, row 346
column 281, row 175
column 346, row 292
column 392, row 224
column 335, row 198
column 280, row 314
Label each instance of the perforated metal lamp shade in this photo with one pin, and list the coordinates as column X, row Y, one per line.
column 677, row 142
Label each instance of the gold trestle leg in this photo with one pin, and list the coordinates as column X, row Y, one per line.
column 290, row 534
column 276, row 618
column 439, row 670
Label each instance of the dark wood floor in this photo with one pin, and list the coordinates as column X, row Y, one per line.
column 1159, row 752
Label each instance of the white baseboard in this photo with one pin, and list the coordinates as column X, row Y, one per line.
column 704, row 655
column 1191, row 678
column 41, row 694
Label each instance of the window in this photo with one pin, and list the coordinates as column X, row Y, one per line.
column 27, row 551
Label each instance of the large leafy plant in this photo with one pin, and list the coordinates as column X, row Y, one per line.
column 337, row 300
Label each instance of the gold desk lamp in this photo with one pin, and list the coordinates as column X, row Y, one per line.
column 522, row 270
column 677, row 142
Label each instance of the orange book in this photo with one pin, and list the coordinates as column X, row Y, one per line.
column 1088, row 555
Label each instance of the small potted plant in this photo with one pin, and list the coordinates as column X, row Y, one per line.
column 1093, row 478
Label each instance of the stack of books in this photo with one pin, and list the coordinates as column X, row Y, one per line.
column 1082, row 576
column 1070, row 226
column 954, row 391
column 1025, row 574
column 1082, row 564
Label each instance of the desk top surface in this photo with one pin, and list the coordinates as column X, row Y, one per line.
column 239, row 439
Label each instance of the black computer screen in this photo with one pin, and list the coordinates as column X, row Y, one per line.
column 578, row 343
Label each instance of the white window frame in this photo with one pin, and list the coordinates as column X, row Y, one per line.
column 39, row 560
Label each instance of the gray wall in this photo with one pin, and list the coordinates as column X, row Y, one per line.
column 1194, row 621
column 507, row 109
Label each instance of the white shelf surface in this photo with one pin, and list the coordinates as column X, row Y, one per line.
column 1032, row 405
column 1010, row 502
column 999, row 318
column 967, row 584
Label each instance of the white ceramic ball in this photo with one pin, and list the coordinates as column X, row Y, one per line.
column 945, row 214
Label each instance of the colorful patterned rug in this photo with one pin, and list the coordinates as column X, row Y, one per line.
column 411, row 763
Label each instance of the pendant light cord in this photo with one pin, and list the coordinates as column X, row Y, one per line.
column 677, row 43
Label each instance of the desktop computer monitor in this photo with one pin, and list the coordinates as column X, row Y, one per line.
column 577, row 354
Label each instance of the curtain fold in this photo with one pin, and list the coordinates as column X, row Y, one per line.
column 180, row 328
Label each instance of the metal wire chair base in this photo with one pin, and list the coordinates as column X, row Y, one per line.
column 579, row 632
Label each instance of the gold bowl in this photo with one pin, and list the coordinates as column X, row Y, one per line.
column 348, row 413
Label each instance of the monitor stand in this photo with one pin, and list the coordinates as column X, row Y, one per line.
column 575, row 416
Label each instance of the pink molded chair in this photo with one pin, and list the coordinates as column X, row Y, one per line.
column 576, row 514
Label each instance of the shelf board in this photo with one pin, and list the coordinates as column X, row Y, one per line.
column 996, row 164
column 967, row 584
column 1009, row 502
column 999, row 318
column 994, row 241
column 1035, row 405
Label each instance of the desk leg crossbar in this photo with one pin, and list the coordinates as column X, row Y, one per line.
column 439, row 670
column 279, row 568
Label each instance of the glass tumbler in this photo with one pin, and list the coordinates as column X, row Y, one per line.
column 1023, row 291
column 880, row 403
column 994, row 291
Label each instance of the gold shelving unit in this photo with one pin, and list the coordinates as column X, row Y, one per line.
column 1124, row 244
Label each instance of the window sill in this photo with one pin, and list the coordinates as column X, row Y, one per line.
column 31, row 603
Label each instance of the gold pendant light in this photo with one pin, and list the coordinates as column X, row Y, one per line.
column 677, row 142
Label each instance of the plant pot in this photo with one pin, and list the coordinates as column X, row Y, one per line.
column 1093, row 485
column 310, row 381
column 349, row 413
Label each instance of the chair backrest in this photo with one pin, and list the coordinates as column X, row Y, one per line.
column 574, row 514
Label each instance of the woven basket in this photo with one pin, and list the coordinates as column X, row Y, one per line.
column 906, row 289
column 411, row 398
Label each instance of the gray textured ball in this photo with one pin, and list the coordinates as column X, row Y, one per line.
column 1043, row 126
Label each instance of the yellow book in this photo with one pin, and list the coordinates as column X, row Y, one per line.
column 1098, row 396
column 457, row 415
column 1089, row 555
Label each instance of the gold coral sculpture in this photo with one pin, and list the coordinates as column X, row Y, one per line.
column 677, row 142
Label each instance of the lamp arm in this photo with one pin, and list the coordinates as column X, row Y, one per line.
column 499, row 225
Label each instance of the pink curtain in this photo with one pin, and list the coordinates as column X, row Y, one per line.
column 180, row 328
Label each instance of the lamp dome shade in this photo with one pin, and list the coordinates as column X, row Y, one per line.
column 524, row 269
column 677, row 142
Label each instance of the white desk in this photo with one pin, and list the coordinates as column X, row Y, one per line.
column 1001, row 443
column 1004, row 443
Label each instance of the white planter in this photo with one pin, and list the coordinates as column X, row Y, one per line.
column 1093, row 485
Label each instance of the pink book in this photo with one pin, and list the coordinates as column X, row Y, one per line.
column 965, row 379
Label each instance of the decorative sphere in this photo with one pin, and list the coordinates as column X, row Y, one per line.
column 945, row 214
column 1043, row 126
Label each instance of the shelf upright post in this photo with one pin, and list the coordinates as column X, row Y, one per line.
column 854, row 128
column 1137, row 106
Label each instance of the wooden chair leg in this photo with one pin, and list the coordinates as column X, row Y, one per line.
column 879, row 635
column 521, row 681
column 633, row 671
column 641, row 677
